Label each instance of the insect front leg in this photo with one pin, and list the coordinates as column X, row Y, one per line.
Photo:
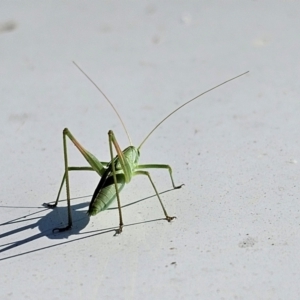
column 141, row 172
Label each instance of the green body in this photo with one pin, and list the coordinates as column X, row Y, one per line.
column 105, row 192
column 117, row 172
column 114, row 175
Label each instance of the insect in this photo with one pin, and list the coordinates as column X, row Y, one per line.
column 118, row 171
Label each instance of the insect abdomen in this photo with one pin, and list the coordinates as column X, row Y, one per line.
column 104, row 195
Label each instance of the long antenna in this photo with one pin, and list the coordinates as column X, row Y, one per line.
column 174, row 111
column 97, row 87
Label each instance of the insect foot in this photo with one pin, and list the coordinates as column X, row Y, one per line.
column 179, row 186
column 62, row 229
column 118, row 231
column 48, row 205
column 169, row 219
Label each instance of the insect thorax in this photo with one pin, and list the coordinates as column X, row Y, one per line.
column 132, row 156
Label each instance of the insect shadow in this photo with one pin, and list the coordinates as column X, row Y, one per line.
column 45, row 224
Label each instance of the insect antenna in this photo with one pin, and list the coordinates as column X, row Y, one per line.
column 174, row 111
column 97, row 87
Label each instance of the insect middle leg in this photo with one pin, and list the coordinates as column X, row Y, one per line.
column 141, row 172
column 49, row 205
column 160, row 166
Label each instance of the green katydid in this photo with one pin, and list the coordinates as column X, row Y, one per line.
column 118, row 171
